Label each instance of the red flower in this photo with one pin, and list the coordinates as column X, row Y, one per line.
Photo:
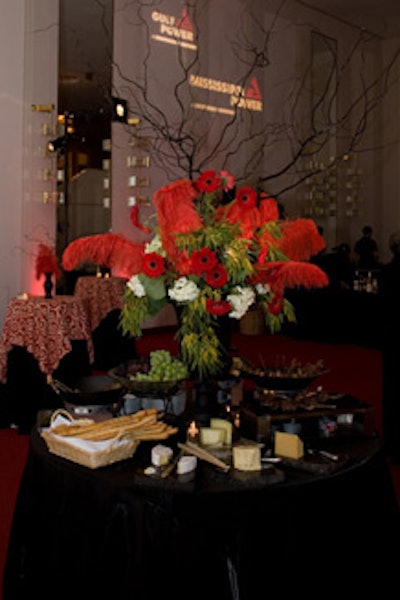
column 276, row 305
column 202, row 260
column 227, row 180
column 153, row 264
column 247, row 197
column 46, row 261
column 217, row 307
column 208, row 182
column 217, row 277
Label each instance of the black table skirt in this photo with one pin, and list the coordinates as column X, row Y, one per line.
column 113, row 533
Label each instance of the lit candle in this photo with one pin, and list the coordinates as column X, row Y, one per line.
column 192, row 430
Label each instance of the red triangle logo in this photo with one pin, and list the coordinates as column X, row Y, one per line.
column 184, row 21
column 253, row 91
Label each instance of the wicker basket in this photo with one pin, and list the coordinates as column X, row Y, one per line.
column 253, row 322
column 98, row 454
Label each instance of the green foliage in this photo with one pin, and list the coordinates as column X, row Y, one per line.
column 136, row 309
column 201, row 353
column 154, row 286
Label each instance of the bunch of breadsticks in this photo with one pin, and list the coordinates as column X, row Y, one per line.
column 142, row 425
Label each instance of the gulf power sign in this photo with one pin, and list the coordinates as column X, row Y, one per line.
column 177, row 31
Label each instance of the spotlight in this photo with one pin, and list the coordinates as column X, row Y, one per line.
column 119, row 110
column 57, row 144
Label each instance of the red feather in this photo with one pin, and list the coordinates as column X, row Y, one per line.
column 301, row 239
column 134, row 216
column 176, row 213
column 247, row 217
column 281, row 274
column 112, row 250
column 268, row 209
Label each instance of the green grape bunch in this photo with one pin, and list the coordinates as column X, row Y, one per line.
column 163, row 367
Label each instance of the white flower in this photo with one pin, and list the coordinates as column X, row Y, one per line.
column 155, row 245
column 136, row 287
column 263, row 288
column 240, row 299
column 184, row 290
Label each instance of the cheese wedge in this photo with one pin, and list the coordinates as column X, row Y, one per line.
column 246, row 457
column 288, row 445
column 211, row 436
column 216, row 423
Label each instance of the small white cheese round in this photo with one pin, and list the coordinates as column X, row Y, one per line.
column 186, row 464
column 161, row 455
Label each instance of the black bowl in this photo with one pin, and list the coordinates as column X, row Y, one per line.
column 93, row 390
column 282, row 384
column 125, row 373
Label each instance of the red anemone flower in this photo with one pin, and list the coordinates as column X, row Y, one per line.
column 153, row 264
column 208, row 182
column 202, row 260
column 217, row 277
column 217, row 307
column 247, row 197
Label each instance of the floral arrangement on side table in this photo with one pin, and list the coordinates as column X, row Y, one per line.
column 46, row 262
column 47, row 265
column 217, row 251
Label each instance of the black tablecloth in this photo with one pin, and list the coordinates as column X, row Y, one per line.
column 114, row 533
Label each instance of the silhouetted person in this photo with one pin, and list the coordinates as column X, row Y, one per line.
column 389, row 288
column 338, row 265
column 366, row 250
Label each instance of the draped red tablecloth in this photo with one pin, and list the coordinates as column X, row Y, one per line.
column 45, row 327
column 100, row 296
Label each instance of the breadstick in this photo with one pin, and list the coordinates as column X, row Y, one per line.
column 138, row 418
column 135, row 428
column 160, row 436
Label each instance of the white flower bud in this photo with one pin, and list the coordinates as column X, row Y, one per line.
column 136, row 287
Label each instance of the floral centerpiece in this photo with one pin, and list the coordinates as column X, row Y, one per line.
column 47, row 265
column 46, row 262
column 215, row 252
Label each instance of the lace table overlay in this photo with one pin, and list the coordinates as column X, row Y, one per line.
column 45, row 327
column 100, row 295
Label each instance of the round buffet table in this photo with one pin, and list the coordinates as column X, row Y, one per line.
column 113, row 532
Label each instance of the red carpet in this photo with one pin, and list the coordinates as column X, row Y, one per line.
column 352, row 369
column 13, row 452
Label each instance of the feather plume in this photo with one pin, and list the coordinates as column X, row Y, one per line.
column 268, row 209
column 247, row 217
column 176, row 212
column 301, row 239
column 111, row 250
column 290, row 274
